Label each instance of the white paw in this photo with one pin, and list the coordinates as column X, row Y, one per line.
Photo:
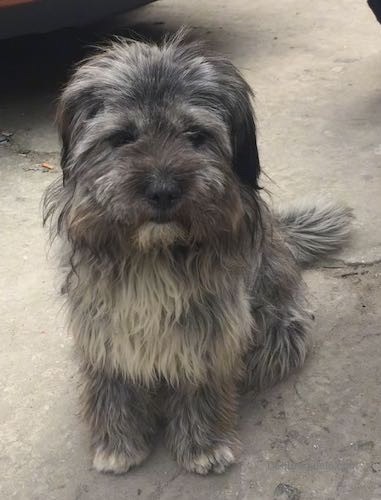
column 215, row 460
column 118, row 463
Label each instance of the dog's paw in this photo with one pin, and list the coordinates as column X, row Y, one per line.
column 116, row 462
column 215, row 460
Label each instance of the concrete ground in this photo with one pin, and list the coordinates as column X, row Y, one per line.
column 316, row 70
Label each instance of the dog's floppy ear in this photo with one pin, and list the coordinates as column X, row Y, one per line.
column 75, row 108
column 244, row 143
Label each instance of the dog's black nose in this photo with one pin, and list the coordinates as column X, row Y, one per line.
column 164, row 196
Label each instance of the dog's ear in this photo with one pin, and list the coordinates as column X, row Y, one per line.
column 75, row 109
column 244, row 143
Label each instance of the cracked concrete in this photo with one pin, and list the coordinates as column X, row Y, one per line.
column 316, row 69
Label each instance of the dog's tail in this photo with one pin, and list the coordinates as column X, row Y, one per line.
column 315, row 230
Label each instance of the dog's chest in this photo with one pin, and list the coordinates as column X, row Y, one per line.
column 157, row 323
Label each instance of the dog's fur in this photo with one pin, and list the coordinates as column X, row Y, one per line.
column 173, row 314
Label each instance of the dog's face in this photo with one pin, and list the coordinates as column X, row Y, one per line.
column 160, row 141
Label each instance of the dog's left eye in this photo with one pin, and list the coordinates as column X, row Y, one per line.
column 123, row 137
column 197, row 137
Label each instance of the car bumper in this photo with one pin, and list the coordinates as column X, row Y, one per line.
column 21, row 17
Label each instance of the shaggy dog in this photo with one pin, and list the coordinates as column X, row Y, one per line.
column 183, row 287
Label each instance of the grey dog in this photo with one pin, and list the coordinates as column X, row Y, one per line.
column 183, row 286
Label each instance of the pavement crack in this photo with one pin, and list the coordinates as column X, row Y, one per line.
column 354, row 264
column 352, row 268
column 157, row 493
column 31, row 154
column 354, row 273
column 368, row 335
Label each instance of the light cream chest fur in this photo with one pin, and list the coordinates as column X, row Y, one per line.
column 152, row 323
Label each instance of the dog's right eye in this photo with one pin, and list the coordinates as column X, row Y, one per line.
column 123, row 137
column 197, row 137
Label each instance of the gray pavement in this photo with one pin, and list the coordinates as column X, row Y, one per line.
column 316, row 70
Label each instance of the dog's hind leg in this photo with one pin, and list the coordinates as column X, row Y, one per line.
column 201, row 426
column 280, row 315
column 280, row 349
column 122, row 421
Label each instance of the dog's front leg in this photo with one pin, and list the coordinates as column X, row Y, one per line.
column 201, row 426
column 122, row 421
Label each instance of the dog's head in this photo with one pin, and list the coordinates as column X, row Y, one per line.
column 158, row 140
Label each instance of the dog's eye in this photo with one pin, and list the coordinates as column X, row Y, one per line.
column 123, row 137
column 197, row 137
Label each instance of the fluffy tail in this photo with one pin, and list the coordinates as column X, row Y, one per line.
column 313, row 231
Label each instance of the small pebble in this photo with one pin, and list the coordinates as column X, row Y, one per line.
column 376, row 467
column 286, row 492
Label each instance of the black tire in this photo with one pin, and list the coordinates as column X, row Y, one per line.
column 375, row 5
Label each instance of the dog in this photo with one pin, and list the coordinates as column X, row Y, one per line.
column 183, row 288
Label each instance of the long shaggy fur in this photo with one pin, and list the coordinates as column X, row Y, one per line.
column 182, row 286
column 314, row 230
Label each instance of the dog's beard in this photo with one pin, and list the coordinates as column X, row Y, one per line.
column 153, row 235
